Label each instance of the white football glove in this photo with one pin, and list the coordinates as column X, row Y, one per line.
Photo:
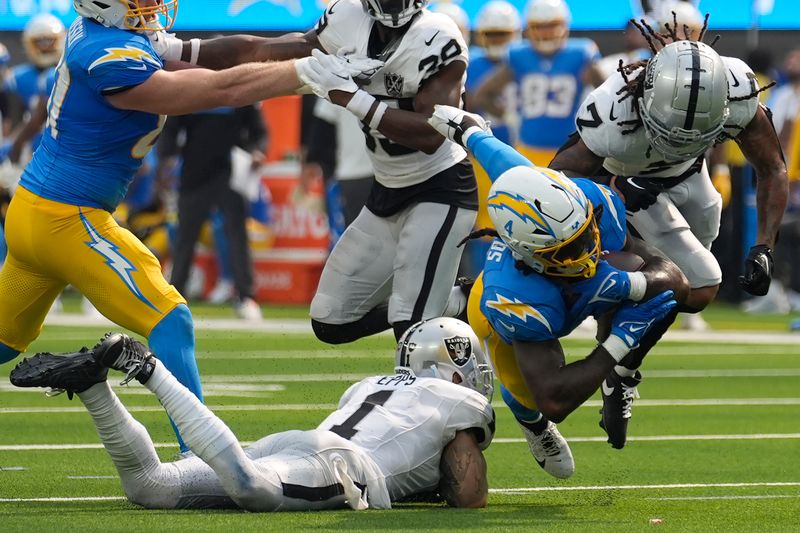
column 456, row 124
column 166, row 45
column 360, row 67
column 324, row 73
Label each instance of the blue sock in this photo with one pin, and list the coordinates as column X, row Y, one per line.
column 7, row 353
column 172, row 340
column 523, row 414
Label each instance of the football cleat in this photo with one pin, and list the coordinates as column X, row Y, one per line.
column 551, row 451
column 70, row 372
column 618, row 395
column 120, row 352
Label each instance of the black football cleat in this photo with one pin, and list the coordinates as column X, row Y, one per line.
column 618, row 395
column 120, row 352
column 70, row 373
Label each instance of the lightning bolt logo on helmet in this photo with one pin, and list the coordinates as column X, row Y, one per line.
column 546, row 220
column 116, row 261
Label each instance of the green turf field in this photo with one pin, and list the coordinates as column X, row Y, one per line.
column 714, row 443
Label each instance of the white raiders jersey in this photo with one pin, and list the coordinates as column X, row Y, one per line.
column 431, row 42
column 602, row 120
column 404, row 422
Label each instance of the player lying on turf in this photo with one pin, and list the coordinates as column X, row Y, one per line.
column 417, row 431
column 544, row 274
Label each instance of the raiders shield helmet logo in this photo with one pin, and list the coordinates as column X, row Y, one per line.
column 459, row 349
column 394, row 84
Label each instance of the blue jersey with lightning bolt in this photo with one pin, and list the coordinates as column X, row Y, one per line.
column 90, row 150
column 550, row 89
column 521, row 304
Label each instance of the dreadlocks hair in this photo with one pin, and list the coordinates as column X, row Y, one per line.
column 634, row 87
column 477, row 234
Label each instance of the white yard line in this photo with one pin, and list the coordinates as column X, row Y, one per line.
column 642, row 438
column 294, row 326
column 728, row 497
column 591, row 404
column 511, row 491
column 644, row 487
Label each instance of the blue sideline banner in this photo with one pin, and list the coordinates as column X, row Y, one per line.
column 298, row 15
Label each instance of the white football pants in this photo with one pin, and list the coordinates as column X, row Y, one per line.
column 289, row 471
column 683, row 223
column 410, row 259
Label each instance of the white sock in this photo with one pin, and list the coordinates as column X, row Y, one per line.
column 624, row 372
column 203, row 431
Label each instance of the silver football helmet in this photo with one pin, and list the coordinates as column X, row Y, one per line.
column 685, row 101
column 130, row 14
column 393, row 13
column 443, row 347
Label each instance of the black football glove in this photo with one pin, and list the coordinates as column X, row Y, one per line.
column 639, row 193
column 757, row 270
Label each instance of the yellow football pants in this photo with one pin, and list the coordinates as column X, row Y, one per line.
column 503, row 359
column 51, row 244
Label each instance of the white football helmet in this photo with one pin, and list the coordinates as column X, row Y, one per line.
column 498, row 25
column 548, row 24
column 43, row 39
column 546, row 220
column 393, row 13
column 685, row 101
column 443, row 347
column 455, row 12
column 130, row 14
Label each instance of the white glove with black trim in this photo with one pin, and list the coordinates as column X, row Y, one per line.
column 360, row 68
column 324, row 73
column 457, row 124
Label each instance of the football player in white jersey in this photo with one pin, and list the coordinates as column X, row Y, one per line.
column 417, row 432
column 649, row 128
column 397, row 262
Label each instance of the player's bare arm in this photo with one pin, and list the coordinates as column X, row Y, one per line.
column 463, row 469
column 225, row 52
column 760, row 145
column 411, row 128
column 487, row 94
column 560, row 388
column 577, row 160
column 205, row 89
column 661, row 273
column 29, row 129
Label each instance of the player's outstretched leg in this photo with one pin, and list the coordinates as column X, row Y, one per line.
column 618, row 395
column 71, row 372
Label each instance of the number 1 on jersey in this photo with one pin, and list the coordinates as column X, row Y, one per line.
column 348, row 428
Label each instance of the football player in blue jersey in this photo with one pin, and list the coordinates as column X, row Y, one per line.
column 549, row 70
column 544, row 274
column 107, row 109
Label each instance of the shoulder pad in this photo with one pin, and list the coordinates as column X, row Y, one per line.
column 599, row 114
column 336, row 27
column 742, row 82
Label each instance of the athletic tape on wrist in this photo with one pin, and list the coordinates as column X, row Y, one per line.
column 360, row 104
column 616, row 347
column 638, row 286
column 195, row 53
column 375, row 121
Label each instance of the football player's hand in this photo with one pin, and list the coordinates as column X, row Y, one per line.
column 166, row 45
column 632, row 321
column 757, row 270
column 609, row 284
column 361, row 68
column 456, row 124
column 637, row 193
column 324, row 73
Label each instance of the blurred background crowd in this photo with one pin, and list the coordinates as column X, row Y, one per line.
column 242, row 205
